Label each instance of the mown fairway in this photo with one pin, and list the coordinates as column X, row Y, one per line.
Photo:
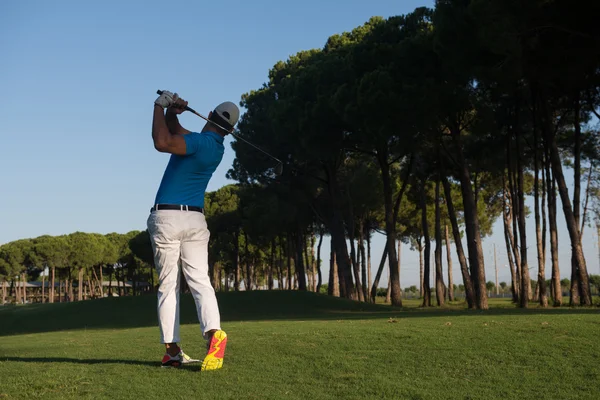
column 292, row 345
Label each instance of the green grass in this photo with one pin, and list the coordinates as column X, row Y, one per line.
column 292, row 345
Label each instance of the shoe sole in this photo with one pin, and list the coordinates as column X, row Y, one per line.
column 211, row 361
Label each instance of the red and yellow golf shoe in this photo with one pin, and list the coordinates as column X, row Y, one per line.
column 216, row 351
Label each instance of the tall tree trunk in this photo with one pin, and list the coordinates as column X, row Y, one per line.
column 236, row 260
column 220, row 283
column 249, row 274
column 320, row 280
column 117, row 273
column 544, row 219
column 587, row 198
column 425, row 228
column 334, row 286
column 439, row 273
column 272, row 264
column 110, row 279
column 388, row 292
column 369, row 259
column 24, row 278
column 342, row 260
column 89, row 290
column 338, row 236
column 378, row 274
column 280, row 283
column 70, row 281
column 508, row 239
column 97, row 282
column 449, row 260
column 332, row 276
column 255, row 267
column 538, row 233
column 513, row 212
column 4, row 291
column 571, row 222
column 101, row 285
column 16, row 289
column 353, row 257
column 576, row 287
column 399, row 258
column 390, row 225
column 358, row 263
column 421, row 267
column 307, row 265
column 476, row 261
column 299, row 260
column 525, row 281
column 577, row 164
column 313, row 261
column 43, row 288
column 80, row 284
column 464, row 269
column 214, row 276
column 361, row 252
column 51, row 290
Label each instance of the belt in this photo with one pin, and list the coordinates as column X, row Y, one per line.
column 180, row 207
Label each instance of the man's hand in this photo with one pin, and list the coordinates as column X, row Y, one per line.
column 166, row 99
column 178, row 106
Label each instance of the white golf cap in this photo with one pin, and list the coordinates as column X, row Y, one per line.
column 228, row 113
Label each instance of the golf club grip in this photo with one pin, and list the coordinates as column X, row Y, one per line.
column 159, row 92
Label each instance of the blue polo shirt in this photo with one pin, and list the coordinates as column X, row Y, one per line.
column 186, row 176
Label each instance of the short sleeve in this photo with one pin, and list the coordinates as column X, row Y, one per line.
column 193, row 141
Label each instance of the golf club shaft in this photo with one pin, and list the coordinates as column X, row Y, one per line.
column 232, row 134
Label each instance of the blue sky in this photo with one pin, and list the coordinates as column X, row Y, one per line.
column 79, row 80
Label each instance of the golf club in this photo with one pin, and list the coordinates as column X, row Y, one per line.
column 278, row 167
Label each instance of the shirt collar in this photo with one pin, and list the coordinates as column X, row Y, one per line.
column 215, row 135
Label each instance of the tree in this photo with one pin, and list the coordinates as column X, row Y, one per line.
column 19, row 258
column 143, row 258
column 86, row 251
column 457, row 96
column 53, row 252
column 4, row 273
column 290, row 110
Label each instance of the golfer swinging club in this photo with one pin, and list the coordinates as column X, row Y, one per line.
column 177, row 225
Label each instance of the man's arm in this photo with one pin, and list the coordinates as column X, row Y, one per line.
column 164, row 139
column 173, row 123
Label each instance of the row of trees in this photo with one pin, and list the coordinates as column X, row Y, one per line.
column 492, row 97
column 80, row 260
column 127, row 258
column 503, row 288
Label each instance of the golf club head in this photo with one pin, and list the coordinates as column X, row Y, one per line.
column 279, row 169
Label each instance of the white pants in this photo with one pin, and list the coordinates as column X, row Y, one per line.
column 182, row 235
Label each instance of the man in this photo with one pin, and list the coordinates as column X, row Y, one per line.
column 177, row 225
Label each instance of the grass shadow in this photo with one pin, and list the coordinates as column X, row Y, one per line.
column 140, row 311
column 87, row 361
